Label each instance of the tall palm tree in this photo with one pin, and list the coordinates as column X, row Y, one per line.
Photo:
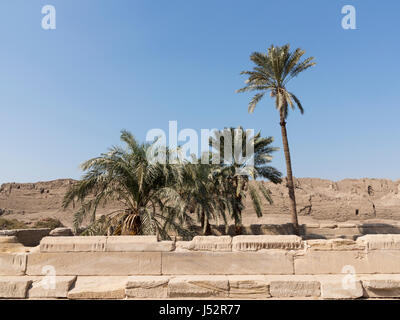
column 271, row 73
column 238, row 170
column 146, row 191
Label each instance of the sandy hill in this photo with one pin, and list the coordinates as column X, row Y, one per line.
column 349, row 199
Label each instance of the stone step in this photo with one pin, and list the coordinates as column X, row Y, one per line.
column 202, row 287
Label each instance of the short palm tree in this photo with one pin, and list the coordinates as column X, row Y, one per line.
column 145, row 190
column 202, row 193
column 238, row 170
column 271, row 73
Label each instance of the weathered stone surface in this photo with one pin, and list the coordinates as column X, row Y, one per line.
column 8, row 233
column 34, row 249
column 51, row 287
column 235, row 263
column 73, row 244
column 8, row 239
column 211, row 243
column 333, row 262
column 14, row 287
column 347, row 225
column 346, row 244
column 312, row 225
column 381, row 241
column 334, row 244
column 13, row 248
column 341, row 288
column 12, row 264
column 10, row 244
column 248, row 287
column 381, row 286
column 318, row 245
column 98, row 288
column 255, row 243
column 96, row 263
column 385, row 261
column 328, row 225
column 182, row 246
column 137, row 244
column 61, row 232
column 295, row 287
column 147, row 287
column 198, row 286
column 323, row 262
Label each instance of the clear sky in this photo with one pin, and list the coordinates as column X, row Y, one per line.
column 65, row 94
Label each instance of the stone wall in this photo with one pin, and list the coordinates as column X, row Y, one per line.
column 32, row 237
column 28, row 237
column 241, row 267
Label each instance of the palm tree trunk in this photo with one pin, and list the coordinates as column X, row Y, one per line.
column 290, row 183
column 205, row 225
column 238, row 224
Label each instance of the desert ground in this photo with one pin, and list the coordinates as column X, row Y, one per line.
column 372, row 200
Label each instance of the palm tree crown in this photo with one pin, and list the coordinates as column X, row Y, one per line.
column 236, row 174
column 146, row 190
column 272, row 72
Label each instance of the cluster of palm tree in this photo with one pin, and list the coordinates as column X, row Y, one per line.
column 159, row 198
column 164, row 198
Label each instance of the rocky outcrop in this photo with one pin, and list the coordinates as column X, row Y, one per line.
column 318, row 199
column 349, row 199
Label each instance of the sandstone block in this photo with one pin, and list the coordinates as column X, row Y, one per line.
column 8, row 239
column 198, row 286
column 347, row 225
column 211, row 243
column 381, row 241
column 346, row 244
column 182, row 246
column 312, row 225
column 295, row 288
column 385, row 286
column 255, row 243
column 98, row 288
column 137, row 244
column 224, row 263
column 338, row 244
column 96, row 263
column 147, row 287
column 318, row 245
column 73, row 244
column 8, row 233
column 341, row 289
column 12, row 248
column 14, row 287
column 61, row 232
column 334, row 262
column 48, row 287
column 12, row 264
column 328, row 225
column 248, row 287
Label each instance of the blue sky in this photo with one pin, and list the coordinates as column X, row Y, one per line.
column 65, row 94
